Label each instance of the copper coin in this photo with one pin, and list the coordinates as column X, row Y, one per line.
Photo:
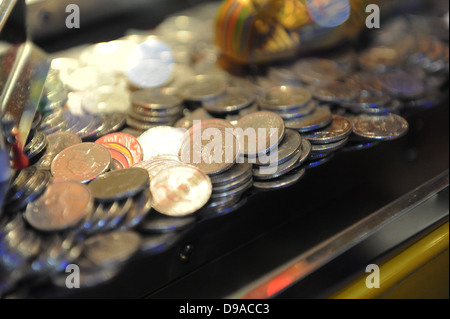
column 57, row 142
column 121, row 149
column 81, row 162
column 118, row 159
column 127, row 140
column 63, row 205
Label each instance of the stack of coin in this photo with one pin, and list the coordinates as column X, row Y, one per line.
column 283, row 166
column 200, row 89
column 153, row 107
column 287, row 101
column 235, row 100
column 122, row 199
column 87, row 126
column 228, row 188
column 326, row 141
column 319, row 118
column 35, row 145
column 54, row 96
column 27, row 185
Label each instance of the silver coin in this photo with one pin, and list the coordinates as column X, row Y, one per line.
column 157, row 163
column 287, row 148
column 235, row 172
column 180, row 190
column 63, row 205
column 142, row 126
column 339, row 129
column 119, row 184
column 20, row 180
column 317, row 70
column 142, row 206
column 238, row 191
column 329, row 147
column 364, row 81
column 202, row 88
column 266, row 128
column 93, row 129
column 106, row 99
column 368, row 99
column 395, row 107
column 232, row 184
column 112, row 122
column 305, row 153
column 402, row 85
column 284, row 181
column 32, row 189
column 169, row 112
column 210, row 145
column 235, row 99
column 274, row 171
column 320, row 118
column 284, row 98
column 154, row 100
column 335, row 92
column 37, row 145
column 299, row 112
column 112, row 249
column 284, row 75
column 223, row 209
column 153, row 119
column 151, row 64
column 380, row 127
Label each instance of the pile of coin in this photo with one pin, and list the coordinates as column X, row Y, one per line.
column 87, row 126
column 329, row 139
column 153, row 108
column 27, row 185
column 285, row 166
column 289, row 102
column 138, row 139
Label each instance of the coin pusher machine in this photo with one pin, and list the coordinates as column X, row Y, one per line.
column 380, row 206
